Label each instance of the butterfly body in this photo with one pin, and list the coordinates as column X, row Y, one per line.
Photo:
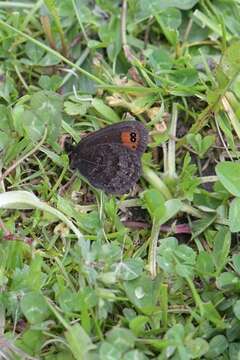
column 110, row 158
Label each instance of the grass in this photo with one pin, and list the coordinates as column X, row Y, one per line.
column 153, row 274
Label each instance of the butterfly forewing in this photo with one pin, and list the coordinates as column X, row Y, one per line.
column 117, row 134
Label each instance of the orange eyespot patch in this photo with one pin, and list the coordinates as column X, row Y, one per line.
column 130, row 139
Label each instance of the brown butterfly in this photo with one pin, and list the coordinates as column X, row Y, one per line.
column 110, row 158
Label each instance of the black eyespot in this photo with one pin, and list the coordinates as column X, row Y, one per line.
column 133, row 137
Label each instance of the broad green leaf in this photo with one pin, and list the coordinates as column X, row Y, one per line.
column 79, row 342
column 185, row 77
column 160, row 59
column 137, row 325
column 205, row 265
column 51, row 83
column 199, row 144
column 229, row 64
column 211, row 314
column 176, row 337
column 155, row 203
column 186, row 254
column 236, row 262
column 134, row 355
column 232, row 331
column 234, row 350
column 123, row 339
column 184, row 271
column 171, row 18
column 229, row 174
column 76, row 108
column 143, row 292
column 207, row 142
column 47, row 109
column 33, row 126
column 187, row 182
column 31, row 341
column 234, row 211
column 8, row 88
column 34, row 53
column 225, row 126
column 129, row 269
column 4, row 140
column 172, row 207
column 6, row 123
column 201, row 225
column 166, row 252
column 228, row 280
column 144, row 9
column 197, row 347
column 217, row 345
column 105, row 111
column 236, row 309
column 109, row 352
column 34, row 307
column 222, row 243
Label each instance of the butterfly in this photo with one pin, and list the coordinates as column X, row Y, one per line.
column 110, row 158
